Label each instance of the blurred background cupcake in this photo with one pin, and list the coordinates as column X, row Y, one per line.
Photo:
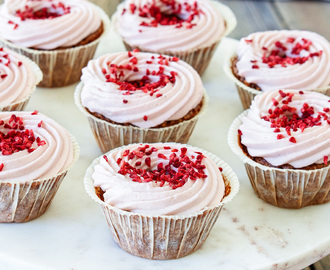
column 131, row 97
column 188, row 29
column 284, row 142
column 18, row 79
column 153, row 195
column 61, row 37
column 283, row 59
column 36, row 154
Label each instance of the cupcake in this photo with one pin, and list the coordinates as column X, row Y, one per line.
column 61, row 37
column 36, row 154
column 18, row 79
column 284, row 142
column 282, row 59
column 188, row 29
column 131, row 97
column 160, row 200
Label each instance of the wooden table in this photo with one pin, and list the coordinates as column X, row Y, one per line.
column 255, row 16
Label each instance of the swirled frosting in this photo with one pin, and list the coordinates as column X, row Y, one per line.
column 169, row 88
column 33, row 146
column 156, row 197
column 284, row 60
column 204, row 29
column 288, row 127
column 62, row 25
column 17, row 77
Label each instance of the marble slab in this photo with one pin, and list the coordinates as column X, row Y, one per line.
column 249, row 233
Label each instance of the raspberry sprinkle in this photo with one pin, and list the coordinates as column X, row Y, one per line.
column 173, row 168
column 177, row 14
column 286, row 119
column 14, row 137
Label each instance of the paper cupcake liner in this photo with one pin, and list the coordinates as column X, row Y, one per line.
column 161, row 237
column 21, row 104
column 109, row 136
column 286, row 188
column 247, row 93
column 61, row 67
column 22, row 202
column 198, row 58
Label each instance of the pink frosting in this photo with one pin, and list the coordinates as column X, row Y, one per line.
column 314, row 73
column 142, row 109
column 47, row 160
column 17, row 77
column 309, row 144
column 62, row 31
column 208, row 27
column 152, row 198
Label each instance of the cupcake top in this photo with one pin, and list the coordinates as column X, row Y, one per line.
column 169, row 25
column 288, row 127
column 32, row 146
column 47, row 24
column 159, row 179
column 284, row 60
column 18, row 77
column 142, row 89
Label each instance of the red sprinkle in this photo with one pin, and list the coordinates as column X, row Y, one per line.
column 280, row 55
column 54, row 11
column 175, row 172
column 172, row 16
column 325, row 159
column 1, row 166
column 239, row 132
column 17, row 138
column 106, row 158
column 35, row 112
column 145, row 118
column 292, row 139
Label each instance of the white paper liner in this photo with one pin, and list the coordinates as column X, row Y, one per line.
column 247, row 93
column 109, row 136
column 162, row 237
column 22, row 202
column 61, row 67
column 286, row 188
column 21, row 104
column 200, row 57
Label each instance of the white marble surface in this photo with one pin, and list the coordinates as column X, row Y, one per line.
column 249, row 233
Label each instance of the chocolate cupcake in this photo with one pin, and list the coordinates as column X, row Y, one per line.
column 36, row 154
column 60, row 37
column 187, row 29
column 282, row 59
column 18, row 79
column 284, row 141
column 132, row 97
column 160, row 200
